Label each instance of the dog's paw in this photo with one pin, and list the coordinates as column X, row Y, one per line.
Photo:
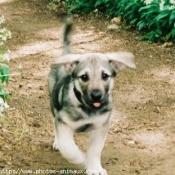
column 100, row 171
column 79, row 159
column 55, row 146
column 93, row 167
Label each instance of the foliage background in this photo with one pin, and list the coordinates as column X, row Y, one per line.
column 155, row 19
column 4, row 68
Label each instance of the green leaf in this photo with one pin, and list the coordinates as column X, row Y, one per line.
column 152, row 35
column 145, row 8
column 164, row 14
column 172, row 18
column 153, row 8
column 128, row 6
column 168, row 36
column 152, row 23
column 173, row 32
column 3, row 94
column 134, row 21
column 4, row 73
column 141, row 25
column 99, row 2
column 158, row 33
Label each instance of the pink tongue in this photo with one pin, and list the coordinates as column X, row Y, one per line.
column 97, row 104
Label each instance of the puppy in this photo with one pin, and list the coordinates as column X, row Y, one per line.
column 80, row 87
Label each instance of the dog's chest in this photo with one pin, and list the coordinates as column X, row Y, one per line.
column 85, row 123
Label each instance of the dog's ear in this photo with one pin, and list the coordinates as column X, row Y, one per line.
column 69, row 61
column 121, row 59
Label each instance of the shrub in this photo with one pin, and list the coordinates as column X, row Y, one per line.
column 155, row 19
column 4, row 68
column 158, row 21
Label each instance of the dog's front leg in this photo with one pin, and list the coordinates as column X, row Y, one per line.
column 64, row 141
column 93, row 157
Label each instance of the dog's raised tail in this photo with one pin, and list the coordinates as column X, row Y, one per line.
column 66, row 38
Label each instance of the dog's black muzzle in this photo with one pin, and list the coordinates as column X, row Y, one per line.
column 96, row 96
column 94, row 101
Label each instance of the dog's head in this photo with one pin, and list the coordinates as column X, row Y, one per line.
column 93, row 75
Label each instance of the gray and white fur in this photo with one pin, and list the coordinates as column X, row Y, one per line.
column 80, row 87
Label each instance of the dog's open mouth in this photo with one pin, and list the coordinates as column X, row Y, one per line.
column 97, row 104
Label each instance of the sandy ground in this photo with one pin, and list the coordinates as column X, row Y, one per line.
column 141, row 140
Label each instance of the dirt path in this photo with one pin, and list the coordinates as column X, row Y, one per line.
column 142, row 136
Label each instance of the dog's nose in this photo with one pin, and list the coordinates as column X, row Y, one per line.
column 96, row 95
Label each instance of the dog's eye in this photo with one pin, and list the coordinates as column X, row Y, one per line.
column 84, row 77
column 105, row 76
